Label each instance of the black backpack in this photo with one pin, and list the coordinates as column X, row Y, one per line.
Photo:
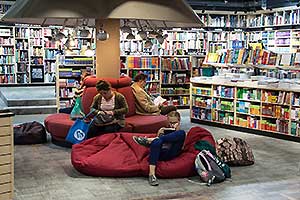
column 30, row 133
column 210, row 168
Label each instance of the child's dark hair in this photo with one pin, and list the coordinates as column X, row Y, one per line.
column 140, row 77
column 103, row 85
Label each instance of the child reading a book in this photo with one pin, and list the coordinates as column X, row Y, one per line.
column 143, row 102
column 166, row 146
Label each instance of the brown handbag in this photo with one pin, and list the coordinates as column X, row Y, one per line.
column 235, row 151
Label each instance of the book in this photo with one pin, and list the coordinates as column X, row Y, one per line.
column 159, row 100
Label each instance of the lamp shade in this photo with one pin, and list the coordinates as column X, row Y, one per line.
column 170, row 13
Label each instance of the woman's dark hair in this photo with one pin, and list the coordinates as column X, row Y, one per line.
column 140, row 77
column 103, row 85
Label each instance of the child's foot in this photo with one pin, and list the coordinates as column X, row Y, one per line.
column 153, row 180
column 141, row 141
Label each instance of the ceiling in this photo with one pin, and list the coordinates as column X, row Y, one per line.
column 239, row 5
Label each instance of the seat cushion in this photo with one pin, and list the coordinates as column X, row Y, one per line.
column 147, row 123
column 58, row 125
column 129, row 96
column 117, row 155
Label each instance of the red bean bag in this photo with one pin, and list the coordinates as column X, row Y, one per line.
column 117, row 155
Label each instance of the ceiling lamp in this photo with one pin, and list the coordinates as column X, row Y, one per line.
column 130, row 36
column 70, row 43
column 58, row 35
column 125, row 28
column 102, row 35
column 142, row 34
column 148, row 44
column 152, row 34
column 176, row 13
column 84, row 32
column 165, row 35
column 160, row 39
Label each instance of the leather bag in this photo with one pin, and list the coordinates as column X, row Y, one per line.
column 235, row 151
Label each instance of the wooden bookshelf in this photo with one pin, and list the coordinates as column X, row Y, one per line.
column 246, row 105
column 6, row 155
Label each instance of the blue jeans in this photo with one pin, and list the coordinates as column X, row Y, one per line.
column 173, row 142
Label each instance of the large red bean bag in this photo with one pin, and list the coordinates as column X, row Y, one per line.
column 117, row 155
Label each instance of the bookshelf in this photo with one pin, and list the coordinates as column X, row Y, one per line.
column 175, row 80
column 184, row 42
column 52, row 48
column 36, row 51
column 22, row 54
column 69, row 69
column 246, row 105
column 7, row 55
column 149, row 65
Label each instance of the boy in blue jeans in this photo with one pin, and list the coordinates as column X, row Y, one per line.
column 166, row 146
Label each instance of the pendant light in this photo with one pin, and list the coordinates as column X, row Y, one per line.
column 141, row 32
column 148, row 44
column 102, row 35
column 130, row 36
column 84, row 32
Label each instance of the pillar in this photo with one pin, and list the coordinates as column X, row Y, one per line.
column 108, row 51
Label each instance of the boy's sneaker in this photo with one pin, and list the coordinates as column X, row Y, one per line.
column 141, row 141
column 153, row 180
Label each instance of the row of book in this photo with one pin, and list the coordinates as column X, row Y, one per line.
column 68, row 83
column 280, row 97
column 276, row 126
column 151, row 75
column 179, row 101
column 172, row 91
column 6, row 59
column 142, row 62
column 222, row 91
column 248, row 94
column 275, row 111
column 175, row 78
column 278, row 18
column 152, row 88
column 253, row 56
column 295, row 129
column 7, row 78
column 248, row 108
column 7, row 69
column 6, row 50
column 69, row 72
column 66, row 92
column 295, row 114
column 175, row 64
column 248, row 122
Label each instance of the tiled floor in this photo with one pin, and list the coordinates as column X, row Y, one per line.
column 45, row 172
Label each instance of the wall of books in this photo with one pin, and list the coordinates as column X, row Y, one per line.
column 28, row 53
column 248, row 105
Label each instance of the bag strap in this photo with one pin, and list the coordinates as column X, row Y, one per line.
column 86, row 116
column 203, row 155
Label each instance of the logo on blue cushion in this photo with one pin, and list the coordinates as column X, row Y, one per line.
column 79, row 134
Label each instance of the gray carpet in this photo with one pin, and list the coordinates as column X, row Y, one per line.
column 45, row 172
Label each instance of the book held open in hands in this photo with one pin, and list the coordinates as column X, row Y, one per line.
column 159, row 100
